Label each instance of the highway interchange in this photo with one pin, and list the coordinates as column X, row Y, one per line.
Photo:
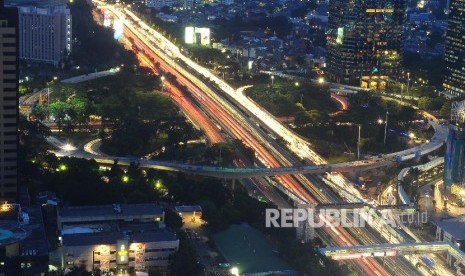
column 224, row 113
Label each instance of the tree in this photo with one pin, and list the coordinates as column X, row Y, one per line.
column 184, row 262
column 424, row 102
column 81, row 110
column 40, row 112
column 445, row 110
column 59, row 111
column 172, row 219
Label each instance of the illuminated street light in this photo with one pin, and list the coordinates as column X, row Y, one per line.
column 385, row 127
column 408, row 84
column 235, row 271
column 411, row 135
column 321, row 80
column 296, row 83
column 158, row 184
column 68, row 147
column 62, row 167
column 358, row 141
column 125, row 178
column 380, row 121
column 272, row 80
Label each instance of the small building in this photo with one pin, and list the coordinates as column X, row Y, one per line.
column 116, row 237
column 23, row 244
column 117, row 250
column 191, row 215
column 190, row 210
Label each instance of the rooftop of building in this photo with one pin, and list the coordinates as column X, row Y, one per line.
column 25, row 226
column 84, row 239
column 36, row 243
column 36, row 3
column 110, row 210
column 11, row 232
column 454, row 226
column 190, row 208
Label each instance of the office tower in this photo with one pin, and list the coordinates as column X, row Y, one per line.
column 365, row 41
column 454, row 77
column 8, row 102
column 454, row 165
column 44, row 32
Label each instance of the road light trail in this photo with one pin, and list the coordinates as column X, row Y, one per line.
column 338, row 234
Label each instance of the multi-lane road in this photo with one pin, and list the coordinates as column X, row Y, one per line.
column 239, row 126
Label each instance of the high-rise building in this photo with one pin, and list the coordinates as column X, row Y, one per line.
column 454, row 78
column 365, row 41
column 8, row 102
column 44, row 32
column 454, row 165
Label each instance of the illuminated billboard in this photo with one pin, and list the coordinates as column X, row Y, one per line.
column 204, row 35
column 194, row 35
column 189, row 35
column 118, row 28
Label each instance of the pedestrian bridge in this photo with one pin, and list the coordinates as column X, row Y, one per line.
column 392, row 250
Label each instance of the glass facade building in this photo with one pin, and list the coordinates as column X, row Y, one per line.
column 454, row 78
column 454, row 160
column 365, row 41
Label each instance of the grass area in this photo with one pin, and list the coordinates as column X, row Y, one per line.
column 245, row 248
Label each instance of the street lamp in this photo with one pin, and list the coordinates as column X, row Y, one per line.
column 408, row 84
column 358, row 141
column 321, row 80
column 296, row 83
column 272, row 80
column 385, row 127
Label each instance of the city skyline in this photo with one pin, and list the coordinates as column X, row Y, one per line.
column 231, row 138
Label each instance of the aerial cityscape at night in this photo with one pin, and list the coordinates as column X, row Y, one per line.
column 227, row 137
